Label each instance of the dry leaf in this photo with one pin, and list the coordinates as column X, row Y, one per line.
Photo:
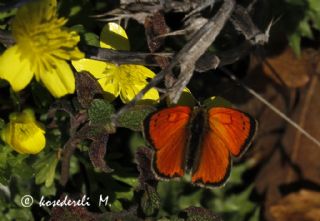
column 87, row 87
column 155, row 26
column 286, row 68
column 302, row 152
column 301, row 206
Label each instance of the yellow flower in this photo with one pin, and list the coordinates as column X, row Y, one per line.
column 42, row 48
column 124, row 80
column 23, row 133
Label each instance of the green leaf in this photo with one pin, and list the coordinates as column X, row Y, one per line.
column 6, row 14
column 45, row 168
column 237, row 172
column 131, row 181
column 92, row 39
column 170, row 192
column 133, row 117
column 74, row 165
column 48, row 191
column 187, row 98
column 216, row 101
column 89, row 38
column 305, row 29
column 13, row 165
column 240, row 203
column 116, row 206
column 19, row 166
column 5, row 175
column 315, row 18
column 100, row 112
column 128, row 195
column 234, row 207
column 4, row 155
column 136, row 141
column 19, row 214
column 75, row 10
column 256, row 215
column 78, row 28
column 193, row 199
column 314, row 5
column 294, row 42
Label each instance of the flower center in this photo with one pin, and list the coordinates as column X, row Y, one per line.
column 43, row 40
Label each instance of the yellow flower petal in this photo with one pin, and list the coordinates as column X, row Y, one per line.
column 128, row 80
column 111, row 90
column 96, row 68
column 59, row 81
column 136, row 73
column 151, row 97
column 15, row 69
column 113, row 36
column 109, row 82
column 23, row 133
column 128, row 92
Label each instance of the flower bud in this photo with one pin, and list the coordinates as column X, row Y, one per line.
column 23, row 133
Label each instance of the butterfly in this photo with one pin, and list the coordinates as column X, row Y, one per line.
column 199, row 141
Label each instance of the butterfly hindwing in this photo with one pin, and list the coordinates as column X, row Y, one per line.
column 214, row 162
column 167, row 131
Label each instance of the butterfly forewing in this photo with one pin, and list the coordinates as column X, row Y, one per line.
column 235, row 128
column 167, row 131
column 228, row 131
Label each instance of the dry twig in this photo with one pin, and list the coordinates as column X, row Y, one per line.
column 195, row 48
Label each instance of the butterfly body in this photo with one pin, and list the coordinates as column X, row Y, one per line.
column 198, row 126
column 198, row 140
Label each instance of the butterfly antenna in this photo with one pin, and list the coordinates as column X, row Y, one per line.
column 271, row 106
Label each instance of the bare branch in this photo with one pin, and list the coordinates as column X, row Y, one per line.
column 191, row 52
column 122, row 57
column 244, row 24
column 201, row 6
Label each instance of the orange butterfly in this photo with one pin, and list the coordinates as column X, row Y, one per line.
column 198, row 140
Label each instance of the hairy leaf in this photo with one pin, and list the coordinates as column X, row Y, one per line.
column 133, row 117
column 100, row 112
column 87, row 87
column 143, row 160
column 199, row 214
column 97, row 152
